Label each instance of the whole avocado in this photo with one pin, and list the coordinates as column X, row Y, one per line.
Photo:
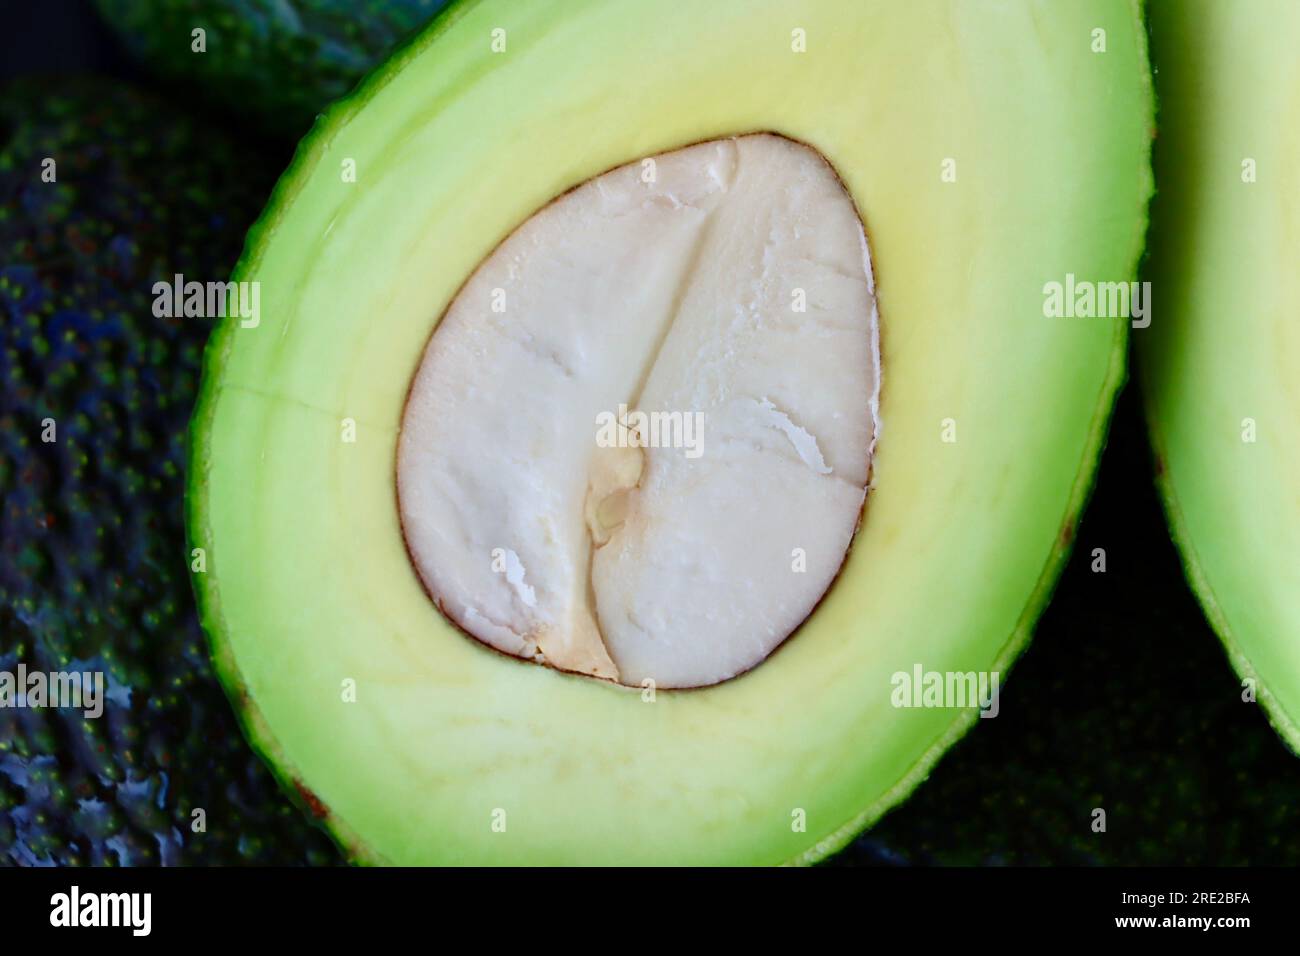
column 281, row 61
column 103, row 192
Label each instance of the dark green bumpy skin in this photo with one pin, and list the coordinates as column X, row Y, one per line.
column 278, row 61
column 93, row 559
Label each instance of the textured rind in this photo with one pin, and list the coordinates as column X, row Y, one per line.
column 92, row 563
column 279, row 60
column 255, row 729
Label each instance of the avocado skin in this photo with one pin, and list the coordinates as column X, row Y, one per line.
column 93, row 558
column 277, row 62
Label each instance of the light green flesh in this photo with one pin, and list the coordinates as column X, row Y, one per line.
column 308, row 582
column 1224, row 345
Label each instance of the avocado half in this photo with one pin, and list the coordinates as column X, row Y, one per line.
column 1221, row 363
column 990, row 151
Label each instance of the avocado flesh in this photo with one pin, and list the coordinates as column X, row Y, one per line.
column 455, row 146
column 1222, row 356
column 610, row 397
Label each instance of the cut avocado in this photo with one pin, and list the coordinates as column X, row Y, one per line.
column 1221, row 363
column 983, row 153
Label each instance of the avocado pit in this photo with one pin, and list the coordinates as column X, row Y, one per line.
column 639, row 441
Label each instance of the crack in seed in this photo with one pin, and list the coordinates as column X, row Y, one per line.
column 689, row 270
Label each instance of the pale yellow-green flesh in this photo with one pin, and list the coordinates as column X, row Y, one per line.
column 308, row 584
column 1224, row 345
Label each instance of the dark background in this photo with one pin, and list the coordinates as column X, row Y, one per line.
column 1124, row 699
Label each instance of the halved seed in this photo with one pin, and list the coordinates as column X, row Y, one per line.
column 658, row 395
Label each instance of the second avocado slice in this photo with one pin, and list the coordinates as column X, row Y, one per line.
column 1221, row 365
column 992, row 156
